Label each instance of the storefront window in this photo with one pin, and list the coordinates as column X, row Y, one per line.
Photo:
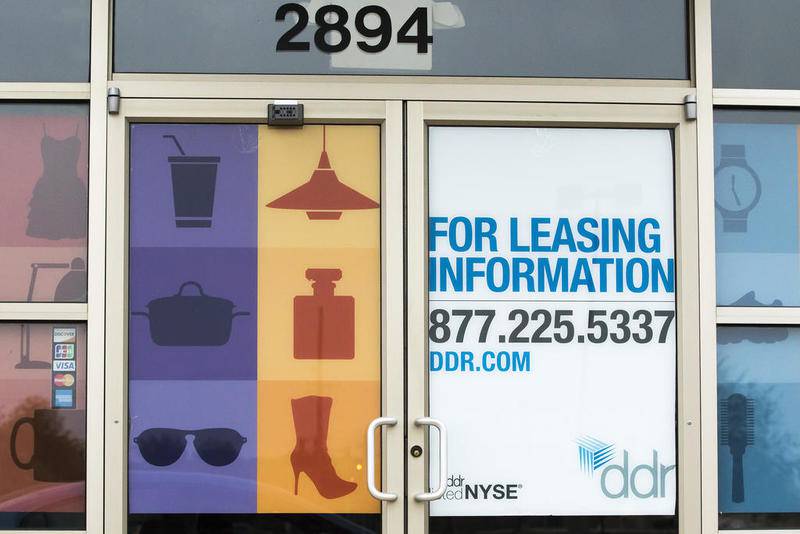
column 755, row 44
column 756, row 197
column 758, row 374
column 254, row 355
column 44, row 202
column 44, row 41
column 42, row 426
column 569, row 38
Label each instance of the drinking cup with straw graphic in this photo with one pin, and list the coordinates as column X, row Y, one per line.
column 194, row 181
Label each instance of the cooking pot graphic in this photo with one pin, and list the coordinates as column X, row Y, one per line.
column 184, row 320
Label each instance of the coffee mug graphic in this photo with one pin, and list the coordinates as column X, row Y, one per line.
column 59, row 445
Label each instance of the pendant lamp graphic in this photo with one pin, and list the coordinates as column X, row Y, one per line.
column 323, row 196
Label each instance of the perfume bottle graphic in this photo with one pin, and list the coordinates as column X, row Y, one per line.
column 324, row 323
column 323, row 196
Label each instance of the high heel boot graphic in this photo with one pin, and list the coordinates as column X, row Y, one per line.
column 310, row 455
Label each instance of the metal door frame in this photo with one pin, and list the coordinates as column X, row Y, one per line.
column 420, row 115
column 387, row 114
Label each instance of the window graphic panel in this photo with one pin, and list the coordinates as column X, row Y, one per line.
column 758, row 374
column 44, row 201
column 756, row 198
column 552, row 322
column 254, row 351
column 319, row 316
column 42, row 426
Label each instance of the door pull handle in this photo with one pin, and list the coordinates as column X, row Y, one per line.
column 375, row 492
column 437, row 494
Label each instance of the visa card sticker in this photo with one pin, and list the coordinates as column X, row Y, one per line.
column 64, row 365
column 63, row 398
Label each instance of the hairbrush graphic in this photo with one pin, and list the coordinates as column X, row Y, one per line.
column 737, row 431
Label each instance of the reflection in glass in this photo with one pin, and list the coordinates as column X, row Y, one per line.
column 606, row 38
column 42, row 426
column 758, row 373
column 44, row 40
column 756, row 199
column 44, row 202
column 755, row 44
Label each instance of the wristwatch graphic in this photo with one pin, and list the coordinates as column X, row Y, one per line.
column 737, row 188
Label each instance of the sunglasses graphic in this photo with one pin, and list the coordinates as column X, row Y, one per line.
column 215, row 446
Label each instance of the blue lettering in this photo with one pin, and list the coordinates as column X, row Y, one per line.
column 563, row 236
column 514, row 229
column 490, row 274
column 552, row 280
column 522, row 270
column 434, row 232
column 473, row 272
column 649, row 242
column 482, row 233
column 627, row 235
column 436, row 360
column 537, row 233
column 642, row 276
column 594, row 241
column 454, row 231
column 582, row 276
column 660, row 277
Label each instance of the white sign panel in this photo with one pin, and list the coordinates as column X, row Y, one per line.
column 552, row 320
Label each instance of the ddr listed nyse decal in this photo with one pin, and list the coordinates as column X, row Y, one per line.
column 458, row 489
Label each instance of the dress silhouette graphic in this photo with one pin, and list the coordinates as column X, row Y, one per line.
column 59, row 204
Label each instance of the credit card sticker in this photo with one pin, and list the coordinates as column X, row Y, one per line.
column 63, row 398
column 64, row 365
column 64, row 351
column 64, row 335
column 63, row 379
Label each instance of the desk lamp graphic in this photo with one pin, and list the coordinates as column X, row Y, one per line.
column 71, row 288
column 737, row 431
column 737, row 188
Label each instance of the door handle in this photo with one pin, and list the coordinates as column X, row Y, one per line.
column 432, row 496
column 375, row 492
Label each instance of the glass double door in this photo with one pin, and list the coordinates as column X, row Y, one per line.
column 464, row 324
